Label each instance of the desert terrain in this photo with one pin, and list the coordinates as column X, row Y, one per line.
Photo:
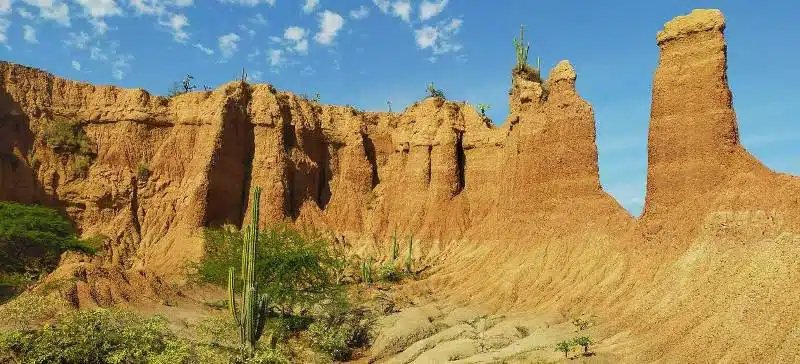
column 513, row 236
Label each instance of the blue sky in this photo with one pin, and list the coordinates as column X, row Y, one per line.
column 365, row 52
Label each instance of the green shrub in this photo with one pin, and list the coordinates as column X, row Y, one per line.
column 294, row 269
column 435, row 92
column 583, row 341
column 66, row 137
column 142, row 172
column 389, row 273
column 340, row 329
column 97, row 336
column 565, row 346
column 32, row 239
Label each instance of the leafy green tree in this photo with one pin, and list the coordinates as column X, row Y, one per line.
column 584, row 341
column 295, row 269
column 565, row 346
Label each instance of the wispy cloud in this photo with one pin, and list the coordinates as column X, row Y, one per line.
column 430, row 9
column 309, row 6
column 29, row 34
column 176, row 23
column 77, row 40
column 5, row 6
column 204, row 49
column 249, row 2
column 330, row 24
column 228, row 44
column 360, row 13
column 4, row 24
column 76, row 65
column 50, row 10
column 402, row 9
column 439, row 38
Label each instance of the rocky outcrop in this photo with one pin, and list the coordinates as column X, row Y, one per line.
column 696, row 163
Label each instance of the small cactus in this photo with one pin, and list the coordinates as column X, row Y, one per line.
column 394, row 246
column 366, row 271
column 409, row 257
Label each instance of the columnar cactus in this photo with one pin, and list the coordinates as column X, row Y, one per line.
column 251, row 317
column 394, row 246
column 521, row 48
column 409, row 258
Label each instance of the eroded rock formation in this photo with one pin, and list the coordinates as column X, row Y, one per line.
column 518, row 208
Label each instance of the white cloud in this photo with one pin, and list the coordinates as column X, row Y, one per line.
column 275, row 58
column 4, row 24
column 329, row 25
column 301, row 46
column 76, row 65
column 49, row 10
column 402, row 9
column 439, row 38
column 100, row 8
column 430, row 9
column 148, row 7
column 99, row 25
column 297, row 36
column 183, row 3
column 310, row 5
column 24, row 13
column 29, row 34
column 203, row 48
column 294, row 33
column 249, row 2
column 5, row 6
column 176, row 23
column 79, row 40
column 253, row 54
column 120, row 63
column 250, row 32
column 227, row 44
column 359, row 13
column 383, row 5
column 258, row 19
column 256, row 75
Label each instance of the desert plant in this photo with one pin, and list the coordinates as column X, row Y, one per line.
column 316, row 97
column 243, row 77
column 142, row 172
column 388, row 273
column 583, row 341
column 565, row 346
column 434, row 92
column 394, row 246
column 389, row 104
column 66, row 137
column 409, row 257
column 521, row 48
column 31, row 240
column 340, row 328
column 581, row 324
column 187, row 83
column 96, row 336
column 252, row 316
column 366, row 270
column 483, row 108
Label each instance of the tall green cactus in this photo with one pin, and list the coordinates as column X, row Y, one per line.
column 394, row 245
column 409, row 258
column 251, row 317
column 521, row 48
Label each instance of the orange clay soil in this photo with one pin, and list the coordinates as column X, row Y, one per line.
column 512, row 219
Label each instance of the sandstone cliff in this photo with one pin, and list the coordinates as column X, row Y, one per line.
column 709, row 271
